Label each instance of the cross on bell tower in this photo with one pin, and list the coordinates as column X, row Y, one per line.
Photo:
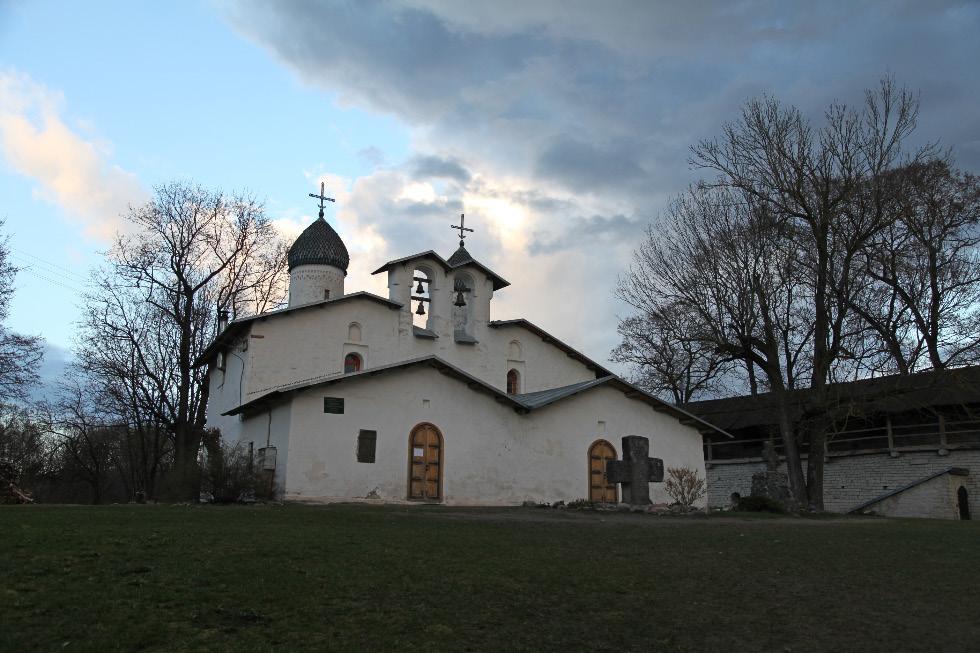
column 462, row 228
column 322, row 197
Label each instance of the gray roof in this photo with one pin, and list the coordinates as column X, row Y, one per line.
column 408, row 259
column 884, row 395
column 545, row 397
column 521, row 403
column 460, row 256
column 319, row 244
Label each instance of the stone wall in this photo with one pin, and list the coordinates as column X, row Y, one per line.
column 935, row 498
column 853, row 478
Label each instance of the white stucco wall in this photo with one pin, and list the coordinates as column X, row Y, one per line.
column 311, row 343
column 491, row 454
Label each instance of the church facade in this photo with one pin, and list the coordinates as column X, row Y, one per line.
column 421, row 396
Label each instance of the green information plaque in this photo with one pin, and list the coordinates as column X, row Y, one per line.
column 333, row 405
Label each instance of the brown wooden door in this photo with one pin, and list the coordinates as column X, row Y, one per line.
column 425, row 463
column 600, row 489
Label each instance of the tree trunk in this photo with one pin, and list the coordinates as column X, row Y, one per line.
column 794, row 468
column 814, row 469
column 186, row 482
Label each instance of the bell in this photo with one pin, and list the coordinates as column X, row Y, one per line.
column 421, row 309
column 419, row 290
column 459, row 299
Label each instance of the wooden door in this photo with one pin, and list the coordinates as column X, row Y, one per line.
column 425, row 463
column 600, row 489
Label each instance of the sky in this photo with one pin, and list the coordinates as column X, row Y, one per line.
column 560, row 128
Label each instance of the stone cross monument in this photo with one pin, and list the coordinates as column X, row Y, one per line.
column 636, row 470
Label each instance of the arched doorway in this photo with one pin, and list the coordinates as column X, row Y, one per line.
column 963, row 503
column 425, row 463
column 600, row 489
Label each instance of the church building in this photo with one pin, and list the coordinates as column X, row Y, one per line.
column 421, row 396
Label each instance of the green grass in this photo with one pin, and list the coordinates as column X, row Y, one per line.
column 354, row 577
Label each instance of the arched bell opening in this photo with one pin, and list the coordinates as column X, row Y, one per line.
column 463, row 299
column 422, row 308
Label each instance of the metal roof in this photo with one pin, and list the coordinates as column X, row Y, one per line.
column 455, row 261
column 883, row 395
column 545, row 397
column 521, row 403
column 408, row 259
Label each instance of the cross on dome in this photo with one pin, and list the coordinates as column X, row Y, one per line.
column 322, row 197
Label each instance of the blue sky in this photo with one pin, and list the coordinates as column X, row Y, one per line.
column 560, row 127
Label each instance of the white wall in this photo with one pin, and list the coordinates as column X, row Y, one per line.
column 492, row 455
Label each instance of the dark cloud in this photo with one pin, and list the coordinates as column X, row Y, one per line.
column 429, row 167
column 594, row 232
column 588, row 108
column 581, row 165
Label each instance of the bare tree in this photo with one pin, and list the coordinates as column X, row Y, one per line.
column 154, row 308
column 770, row 254
column 665, row 359
column 923, row 292
column 20, row 355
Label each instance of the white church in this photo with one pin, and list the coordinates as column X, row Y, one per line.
column 420, row 396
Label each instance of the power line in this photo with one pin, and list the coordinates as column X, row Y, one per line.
column 31, row 272
column 49, row 264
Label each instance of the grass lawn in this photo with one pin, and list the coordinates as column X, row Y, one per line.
column 357, row 577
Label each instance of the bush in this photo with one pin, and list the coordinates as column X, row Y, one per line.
column 760, row 504
column 685, row 486
column 229, row 474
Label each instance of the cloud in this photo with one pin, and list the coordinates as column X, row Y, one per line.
column 562, row 127
column 427, row 167
column 594, row 231
column 70, row 171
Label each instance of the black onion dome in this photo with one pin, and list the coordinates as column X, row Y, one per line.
column 319, row 244
column 460, row 257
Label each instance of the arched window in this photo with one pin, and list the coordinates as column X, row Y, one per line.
column 513, row 386
column 516, row 352
column 352, row 363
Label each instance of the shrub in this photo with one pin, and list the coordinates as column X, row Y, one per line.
column 229, row 474
column 684, row 485
column 760, row 504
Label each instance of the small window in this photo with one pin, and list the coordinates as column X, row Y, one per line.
column 366, row 444
column 512, row 383
column 352, row 363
